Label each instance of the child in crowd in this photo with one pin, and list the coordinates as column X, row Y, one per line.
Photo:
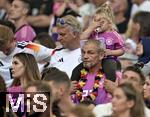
column 103, row 28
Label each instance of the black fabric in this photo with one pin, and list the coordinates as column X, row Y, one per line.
column 76, row 72
column 128, row 12
column 56, row 109
column 122, row 27
column 145, row 57
column 147, row 102
column 109, row 66
column 44, row 7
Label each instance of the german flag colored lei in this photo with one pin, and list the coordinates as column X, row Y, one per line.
column 82, row 82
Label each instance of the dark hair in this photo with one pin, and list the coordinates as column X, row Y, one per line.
column 2, row 85
column 40, row 86
column 132, row 94
column 149, row 75
column 27, row 4
column 44, row 88
column 137, row 70
column 86, row 1
column 8, row 24
column 3, row 90
column 57, row 76
column 143, row 18
column 46, row 40
column 6, row 35
column 10, row 1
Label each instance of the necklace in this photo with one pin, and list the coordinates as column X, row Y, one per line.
column 82, row 82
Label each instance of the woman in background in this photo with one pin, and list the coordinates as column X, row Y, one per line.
column 127, row 102
column 24, row 70
column 146, row 91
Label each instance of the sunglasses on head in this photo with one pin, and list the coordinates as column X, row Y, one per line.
column 61, row 22
column 55, row 36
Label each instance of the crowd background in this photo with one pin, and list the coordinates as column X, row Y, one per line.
column 92, row 56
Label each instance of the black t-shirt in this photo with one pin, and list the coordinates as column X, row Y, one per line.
column 76, row 72
column 145, row 57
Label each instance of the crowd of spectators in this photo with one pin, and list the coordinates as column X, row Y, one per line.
column 75, row 58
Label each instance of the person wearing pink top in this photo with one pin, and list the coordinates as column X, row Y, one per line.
column 104, row 30
column 88, row 78
column 18, row 14
column 25, row 33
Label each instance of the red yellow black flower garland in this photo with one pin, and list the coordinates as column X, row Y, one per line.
column 82, row 82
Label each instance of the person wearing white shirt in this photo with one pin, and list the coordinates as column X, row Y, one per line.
column 140, row 5
column 68, row 57
column 9, row 47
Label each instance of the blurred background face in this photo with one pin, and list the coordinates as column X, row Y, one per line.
column 118, row 6
column 146, row 88
column 90, row 55
column 119, row 101
column 17, row 10
column 65, row 36
column 135, row 27
column 132, row 77
column 8, row 47
column 17, row 68
column 115, row 5
column 2, row 3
